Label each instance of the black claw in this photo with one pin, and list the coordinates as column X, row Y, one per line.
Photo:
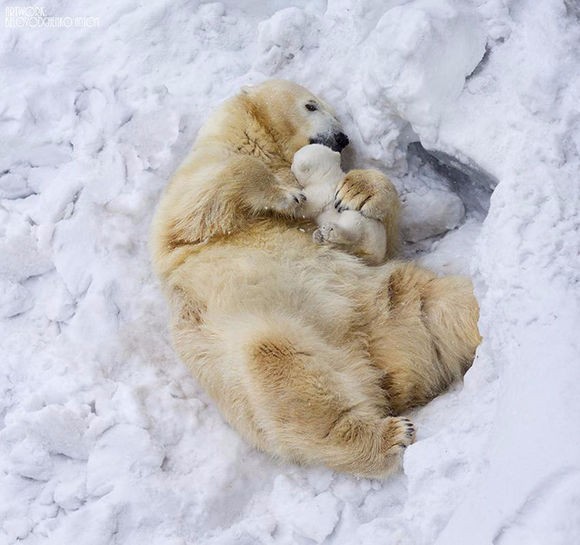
column 337, row 204
column 365, row 201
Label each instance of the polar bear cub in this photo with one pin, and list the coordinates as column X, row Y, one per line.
column 317, row 169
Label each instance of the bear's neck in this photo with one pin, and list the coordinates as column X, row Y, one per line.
column 239, row 127
column 259, row 139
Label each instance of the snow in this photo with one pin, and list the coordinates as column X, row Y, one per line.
column 435, row 212
column 105, row 438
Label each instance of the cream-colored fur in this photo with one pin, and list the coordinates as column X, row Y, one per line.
column 309, row 353
column 317, row 169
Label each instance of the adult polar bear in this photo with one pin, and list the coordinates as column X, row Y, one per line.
column 309, row 353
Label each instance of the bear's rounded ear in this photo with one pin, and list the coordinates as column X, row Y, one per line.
column 247, row 89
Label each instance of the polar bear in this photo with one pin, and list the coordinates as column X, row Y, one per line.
column 317, row 169
column 312, row 355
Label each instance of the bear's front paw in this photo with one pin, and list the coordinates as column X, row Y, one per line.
column 364, row 191
column 290, row 200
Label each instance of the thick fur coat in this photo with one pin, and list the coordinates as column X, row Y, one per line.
column 309, row 353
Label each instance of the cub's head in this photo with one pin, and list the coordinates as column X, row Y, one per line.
column 294, row 116
column 316, row 163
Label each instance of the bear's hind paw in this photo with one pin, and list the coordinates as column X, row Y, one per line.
column 399, row 433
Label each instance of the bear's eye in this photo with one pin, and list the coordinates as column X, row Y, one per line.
column 311, row 107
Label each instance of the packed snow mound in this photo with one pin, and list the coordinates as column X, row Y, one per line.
column 419, row 56
column 105, row 438
column 289, row 32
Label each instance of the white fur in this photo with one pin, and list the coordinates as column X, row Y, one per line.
column 317, row 169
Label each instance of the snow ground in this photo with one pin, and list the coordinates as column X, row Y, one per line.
column 104, row 438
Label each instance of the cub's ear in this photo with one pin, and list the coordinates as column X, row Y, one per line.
column 304, row 167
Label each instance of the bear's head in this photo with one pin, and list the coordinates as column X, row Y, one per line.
column 317, row 164
column 295, row 117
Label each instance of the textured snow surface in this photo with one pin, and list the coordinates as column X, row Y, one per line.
column 105, row 438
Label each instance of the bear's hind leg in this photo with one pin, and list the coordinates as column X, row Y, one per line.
column 424, row 335
column 317, row 404
column 451, row 313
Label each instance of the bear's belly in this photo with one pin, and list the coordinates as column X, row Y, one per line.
column 279, row 272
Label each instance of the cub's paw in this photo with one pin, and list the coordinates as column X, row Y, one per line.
column 289, row 200
column 324, row 234
column 317, row 237
column 366, row 191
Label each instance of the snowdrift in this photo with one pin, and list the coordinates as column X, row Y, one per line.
column 104, row 438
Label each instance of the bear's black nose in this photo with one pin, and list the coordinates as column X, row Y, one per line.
column 341, row 140
column 336, row 142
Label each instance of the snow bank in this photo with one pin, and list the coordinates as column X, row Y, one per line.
column 105, row 438
column 419, row 55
